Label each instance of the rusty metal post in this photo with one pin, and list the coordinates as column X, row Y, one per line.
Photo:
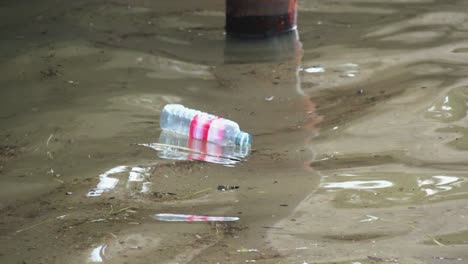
column 260, row 18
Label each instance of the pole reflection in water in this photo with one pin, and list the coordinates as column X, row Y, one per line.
column 281, row 48
column 179, row 147
column 249, row 18
column 285, row 53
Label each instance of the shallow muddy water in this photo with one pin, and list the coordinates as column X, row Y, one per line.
column 359, row 124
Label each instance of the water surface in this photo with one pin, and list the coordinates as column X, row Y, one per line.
column 359, row 122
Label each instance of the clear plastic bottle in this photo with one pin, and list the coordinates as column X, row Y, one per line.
column 196, row 124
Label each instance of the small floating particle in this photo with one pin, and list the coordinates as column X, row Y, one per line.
column 226, row 188
column 315, row 69
column 348, row 74
column 247, row 250
column 301, row 248
column 370, row 218
column 98, row 220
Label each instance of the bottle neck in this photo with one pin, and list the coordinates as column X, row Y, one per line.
column 243, row 139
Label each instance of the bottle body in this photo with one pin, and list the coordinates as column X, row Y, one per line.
column 199, row 125
column 259, row 18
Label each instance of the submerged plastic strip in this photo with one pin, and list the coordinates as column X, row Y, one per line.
column 193, row 218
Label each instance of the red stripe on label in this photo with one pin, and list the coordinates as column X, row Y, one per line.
column 200, row 124
column 206, row 128
column 193, row 125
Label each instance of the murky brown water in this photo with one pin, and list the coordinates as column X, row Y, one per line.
column 359, row 123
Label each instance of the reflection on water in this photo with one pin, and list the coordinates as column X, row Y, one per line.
column 452, row 107
column 137, row 174
column 314, row 69
column 179, row 147
column 97, row 254
column 341, row 70
column 137, row 180
column 362, row 189
column 107, row 183
column 440, row 184
column 406, row 118
column 358, row 185
column 158, row 67
column 281, row 48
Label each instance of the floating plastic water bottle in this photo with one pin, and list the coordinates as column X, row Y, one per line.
column 195, row 124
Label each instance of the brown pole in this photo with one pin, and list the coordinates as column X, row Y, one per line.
column 260, row 18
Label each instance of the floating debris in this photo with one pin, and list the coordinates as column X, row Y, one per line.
column 201, row 125
column 227, row 188
column 350, row 65
column 193, row 218
column 348, row 74
column 370, row 218
column 97, row 220
column 447, row 258
column 244, row 250
column 314, row 69
column 301, row 248
column 378, row 259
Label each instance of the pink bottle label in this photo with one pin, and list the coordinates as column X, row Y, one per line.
column 200, row 128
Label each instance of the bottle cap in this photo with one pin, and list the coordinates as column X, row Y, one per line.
column 243, row 139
